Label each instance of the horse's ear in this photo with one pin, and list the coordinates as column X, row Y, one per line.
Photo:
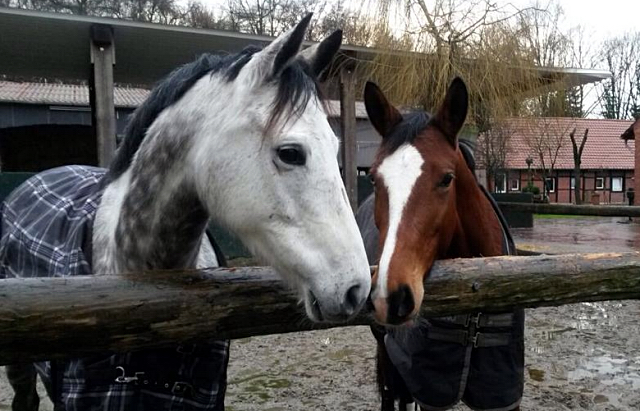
column 320, row 55
column 382, row 114
column 274, row 58
column 450, row 118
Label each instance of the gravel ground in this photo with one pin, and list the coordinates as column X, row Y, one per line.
column 578, row 357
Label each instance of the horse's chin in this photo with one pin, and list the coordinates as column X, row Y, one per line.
column 312, row 307
column 408, row 323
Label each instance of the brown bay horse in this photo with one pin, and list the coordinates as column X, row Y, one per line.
column 427, row 205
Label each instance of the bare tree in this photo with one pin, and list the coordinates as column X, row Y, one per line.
column 543, row 37
column 492, row 150
column 492, row 48
column 155, row 11
column 267, row 17
column 199, row 16
column 577, row 160
column 582, row 55
column 545, row 139
column 619, row 94
column 101, row 8
column 356, row 29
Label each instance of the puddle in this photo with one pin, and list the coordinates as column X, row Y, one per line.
column 579, row 234
column 609, row 371
column 536, row 375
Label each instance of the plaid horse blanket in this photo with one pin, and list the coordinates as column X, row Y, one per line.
column 45, row 231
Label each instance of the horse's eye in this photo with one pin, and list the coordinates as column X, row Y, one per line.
column 446, row 180
column 292, row 154
column 372, row 179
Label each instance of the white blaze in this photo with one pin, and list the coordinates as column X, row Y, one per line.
column 399, row 173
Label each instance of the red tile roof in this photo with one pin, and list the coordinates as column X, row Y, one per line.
column 604, row 148
column 64, row 94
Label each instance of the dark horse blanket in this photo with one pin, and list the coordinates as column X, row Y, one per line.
column 477, row 358
column 45, row 231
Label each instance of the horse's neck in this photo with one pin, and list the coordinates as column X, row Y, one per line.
column 478, row 232
column 149, row 218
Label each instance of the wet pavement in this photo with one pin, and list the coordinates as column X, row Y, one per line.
column 582, row 356
column 564, row 234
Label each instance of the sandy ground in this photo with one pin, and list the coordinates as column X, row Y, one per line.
column 578, row 357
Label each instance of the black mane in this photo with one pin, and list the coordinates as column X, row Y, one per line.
column 406, row 131
column 468, row 149
column 295, row 89
column 411, row 126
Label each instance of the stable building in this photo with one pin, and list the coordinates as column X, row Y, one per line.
column 103, row 53
column 607, row 163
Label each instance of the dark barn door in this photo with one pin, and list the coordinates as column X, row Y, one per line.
column 43, row 146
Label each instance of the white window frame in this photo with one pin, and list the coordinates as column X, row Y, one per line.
column 517, row 186
column 553, row 185
column 613, row 179
column 600, row 186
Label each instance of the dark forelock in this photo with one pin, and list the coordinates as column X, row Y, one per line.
column 406, row 131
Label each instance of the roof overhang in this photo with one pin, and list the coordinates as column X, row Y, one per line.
column 52, row 45
column 573, row 76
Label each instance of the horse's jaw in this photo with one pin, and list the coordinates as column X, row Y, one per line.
column 293, row 217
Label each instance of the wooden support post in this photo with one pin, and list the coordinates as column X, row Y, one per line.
column 349, row 139
column 101, row 89
column 47, row 318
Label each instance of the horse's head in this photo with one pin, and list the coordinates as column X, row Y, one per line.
column 265, row 161
column 415, row 189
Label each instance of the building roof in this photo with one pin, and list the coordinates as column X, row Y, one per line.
column 60, row 94
column 603, row 150
column 64, row 94
column 56, row 45
column 630, row 133
column 53, row 45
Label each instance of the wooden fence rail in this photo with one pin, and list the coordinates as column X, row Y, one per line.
column 571, row 209
column 45, row 318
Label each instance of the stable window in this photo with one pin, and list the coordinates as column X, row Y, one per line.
column 514, row 185
column 551, row 184
column 600, row 183
column 501, row 183
column 573, row 183
column 616, row 183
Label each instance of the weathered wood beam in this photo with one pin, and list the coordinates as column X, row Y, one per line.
column 44, row 318
column 571, row 209
column 102, row 91
column 349, row 143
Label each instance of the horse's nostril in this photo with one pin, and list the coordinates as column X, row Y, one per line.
column 353, row 299
column 401, row 305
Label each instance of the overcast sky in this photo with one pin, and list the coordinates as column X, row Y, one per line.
column 606, row 17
